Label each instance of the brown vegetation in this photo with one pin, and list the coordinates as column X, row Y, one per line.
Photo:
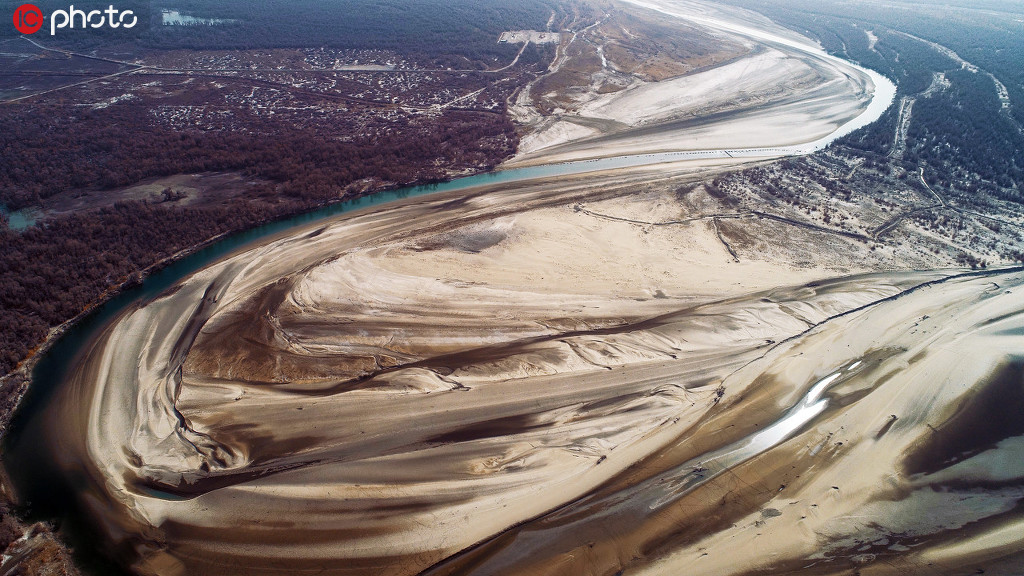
column 54, row 151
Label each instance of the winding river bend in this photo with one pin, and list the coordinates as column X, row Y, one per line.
column 472, row 378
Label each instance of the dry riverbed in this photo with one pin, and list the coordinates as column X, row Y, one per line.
column 636, row 371
column 535, row 379
column 753, row 86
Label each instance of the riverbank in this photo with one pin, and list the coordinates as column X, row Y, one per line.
column 710, row 240
column 37, row 547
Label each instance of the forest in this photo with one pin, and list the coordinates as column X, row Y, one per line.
column 960, row 132
column 48, row 152
column 986, row 33
column 51, row 272
column 53, row 148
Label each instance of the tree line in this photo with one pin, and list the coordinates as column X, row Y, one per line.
column 52, row 271
column 46, row 151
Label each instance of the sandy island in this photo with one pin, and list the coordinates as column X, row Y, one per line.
column 395, row 387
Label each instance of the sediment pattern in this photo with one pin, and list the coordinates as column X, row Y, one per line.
column 567, row 377
column 503, row 384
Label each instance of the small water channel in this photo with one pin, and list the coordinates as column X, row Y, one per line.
column 27, row 446
column 19, row 219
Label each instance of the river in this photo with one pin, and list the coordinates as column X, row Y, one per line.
column 50, row 495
